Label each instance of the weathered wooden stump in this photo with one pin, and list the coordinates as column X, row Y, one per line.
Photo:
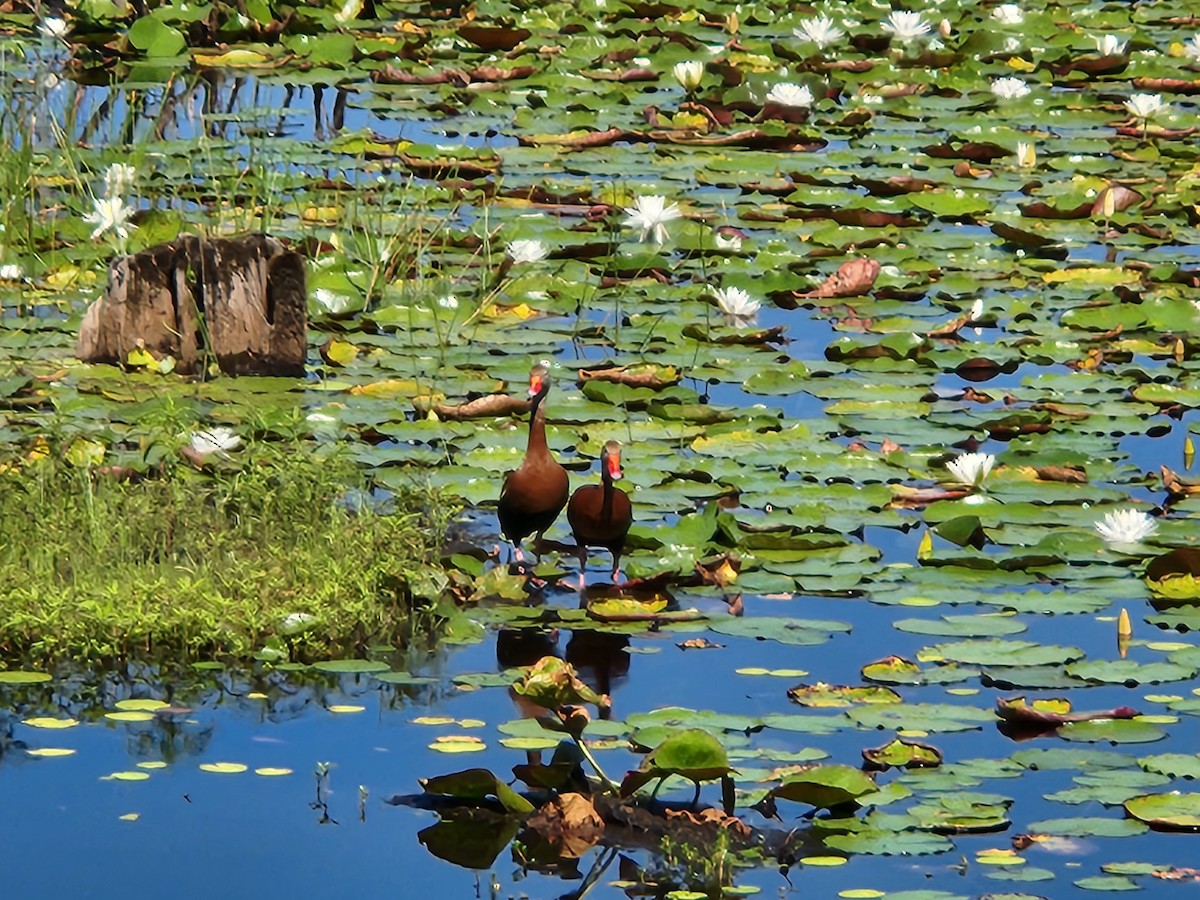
column 239, row 301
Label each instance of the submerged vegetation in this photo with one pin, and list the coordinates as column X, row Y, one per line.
column 281, row 551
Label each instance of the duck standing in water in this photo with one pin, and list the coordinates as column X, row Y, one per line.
column 600, row 514
column 536, row 491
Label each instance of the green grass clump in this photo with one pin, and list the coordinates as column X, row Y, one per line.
column 200, row 563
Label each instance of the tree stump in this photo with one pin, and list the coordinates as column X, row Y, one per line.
column 241, row 302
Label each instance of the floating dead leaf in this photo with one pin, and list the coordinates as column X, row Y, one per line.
column 852, row 279
column 1064, row 474
column 569, row 823
column 646, row 375
column 699, row 644
column 489, row 406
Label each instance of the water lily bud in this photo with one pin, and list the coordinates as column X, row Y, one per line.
column 1109, row 202
column 688, row 74
column 1189, row 452
column 925, row 548
column 1026, row 155
column 945, row 29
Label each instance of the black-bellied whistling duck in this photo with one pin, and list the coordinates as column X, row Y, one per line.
column 600, row 514
column 536, row 491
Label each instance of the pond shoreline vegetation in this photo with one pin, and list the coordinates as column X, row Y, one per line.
column 280, row 551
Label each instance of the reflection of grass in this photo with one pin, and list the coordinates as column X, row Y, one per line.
column 206, row 563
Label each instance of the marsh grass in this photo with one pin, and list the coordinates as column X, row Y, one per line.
column 211, row 563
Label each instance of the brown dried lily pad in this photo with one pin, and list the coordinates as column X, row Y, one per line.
column 490, row 405
column 644, row 375
column 852, row 279
column 569, row 823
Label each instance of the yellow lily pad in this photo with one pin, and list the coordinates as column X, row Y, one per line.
column 272, row 772
column 457, row 743
column 130, row 817
column 49, row 722
column 51, row 752
column 126, row 776
column 224, row 768
column 131, row 715
column 152, row 764
column 346, row 708
column 143, row 705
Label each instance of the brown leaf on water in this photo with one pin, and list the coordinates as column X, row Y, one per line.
column 1064, row 474
column 642, row 375
column 1167, row 85
column 480, row 407
column 710, row 817
column 569, row 823
column 1053, row 712
column 904, row 497
column 1176, row 485
column 699, row 644
column 491, row 39
column 1155, row 131
column 852, row 279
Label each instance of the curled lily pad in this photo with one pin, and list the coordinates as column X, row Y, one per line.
column 825, row 786
column 476, row 785
column 552, row 683
column 835, row 696
column 693, row 754
column 905, row 754
column 1175, row 811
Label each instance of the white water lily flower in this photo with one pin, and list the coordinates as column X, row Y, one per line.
column 1145, row 106
column 1026, row 155
column 788, row 94
column 971, row 468
column 11, row 272
column 332, row 302
column 1109, row 45
column 1192, row 48
column 976, row 310
column 118, row 179
column 1008, row 14
column 54, row 27
column 651, row 213
column 820, row 30
column 215, row 440
column 448, row 302
column 526, row 251
column 348, row 11
column 1009, row 88
column 905, row 26
column 688, row 74
column 110, row 214
column 732, row 241
column 736, row 302
column 1126, row 526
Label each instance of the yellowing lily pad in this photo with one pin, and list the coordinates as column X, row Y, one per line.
column 344, row 708
column 223, row 768
column 49, row 722
column 51, row 752
column 458, row 743
column 126, row 776
column 129, row 716
column 272, row 772
column 19, row 676
column 145, row 705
